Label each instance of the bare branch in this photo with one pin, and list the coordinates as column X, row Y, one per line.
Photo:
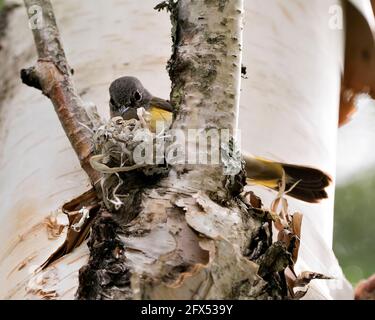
column 52, row 75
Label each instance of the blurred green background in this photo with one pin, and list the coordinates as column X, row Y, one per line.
column 354, row 231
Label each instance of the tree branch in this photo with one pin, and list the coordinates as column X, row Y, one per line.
column 52, row 76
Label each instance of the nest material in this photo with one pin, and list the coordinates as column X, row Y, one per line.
column 115, row 144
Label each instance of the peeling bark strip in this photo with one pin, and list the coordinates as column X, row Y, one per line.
column 52, row 75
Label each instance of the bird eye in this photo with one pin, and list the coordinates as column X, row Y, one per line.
column 137, row 95
column 112, row 103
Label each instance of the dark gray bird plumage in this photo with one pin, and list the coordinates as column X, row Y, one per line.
column 127, row 94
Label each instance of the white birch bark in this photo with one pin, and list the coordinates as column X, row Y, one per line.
column 290, row 109
column 200, row 246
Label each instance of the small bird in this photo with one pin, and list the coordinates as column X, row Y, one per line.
column 127, row 94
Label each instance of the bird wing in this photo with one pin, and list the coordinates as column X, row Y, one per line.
column 160, row 110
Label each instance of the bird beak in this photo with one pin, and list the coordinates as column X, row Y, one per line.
column 123, row 109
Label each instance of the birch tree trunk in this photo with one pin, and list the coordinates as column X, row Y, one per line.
column 201, row 229
column 184, row 221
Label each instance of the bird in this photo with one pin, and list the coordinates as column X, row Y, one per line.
column 127, row 94
column 308, row 184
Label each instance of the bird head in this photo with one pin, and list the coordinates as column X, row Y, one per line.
column 126, row 95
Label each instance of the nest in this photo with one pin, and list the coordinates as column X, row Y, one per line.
column 123, row 148
column 115, row 143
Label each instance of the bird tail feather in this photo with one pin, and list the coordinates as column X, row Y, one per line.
column 304, row 183
column 311, row 182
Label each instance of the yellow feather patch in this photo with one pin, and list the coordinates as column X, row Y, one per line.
column 266, row 183
column 158, row 114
